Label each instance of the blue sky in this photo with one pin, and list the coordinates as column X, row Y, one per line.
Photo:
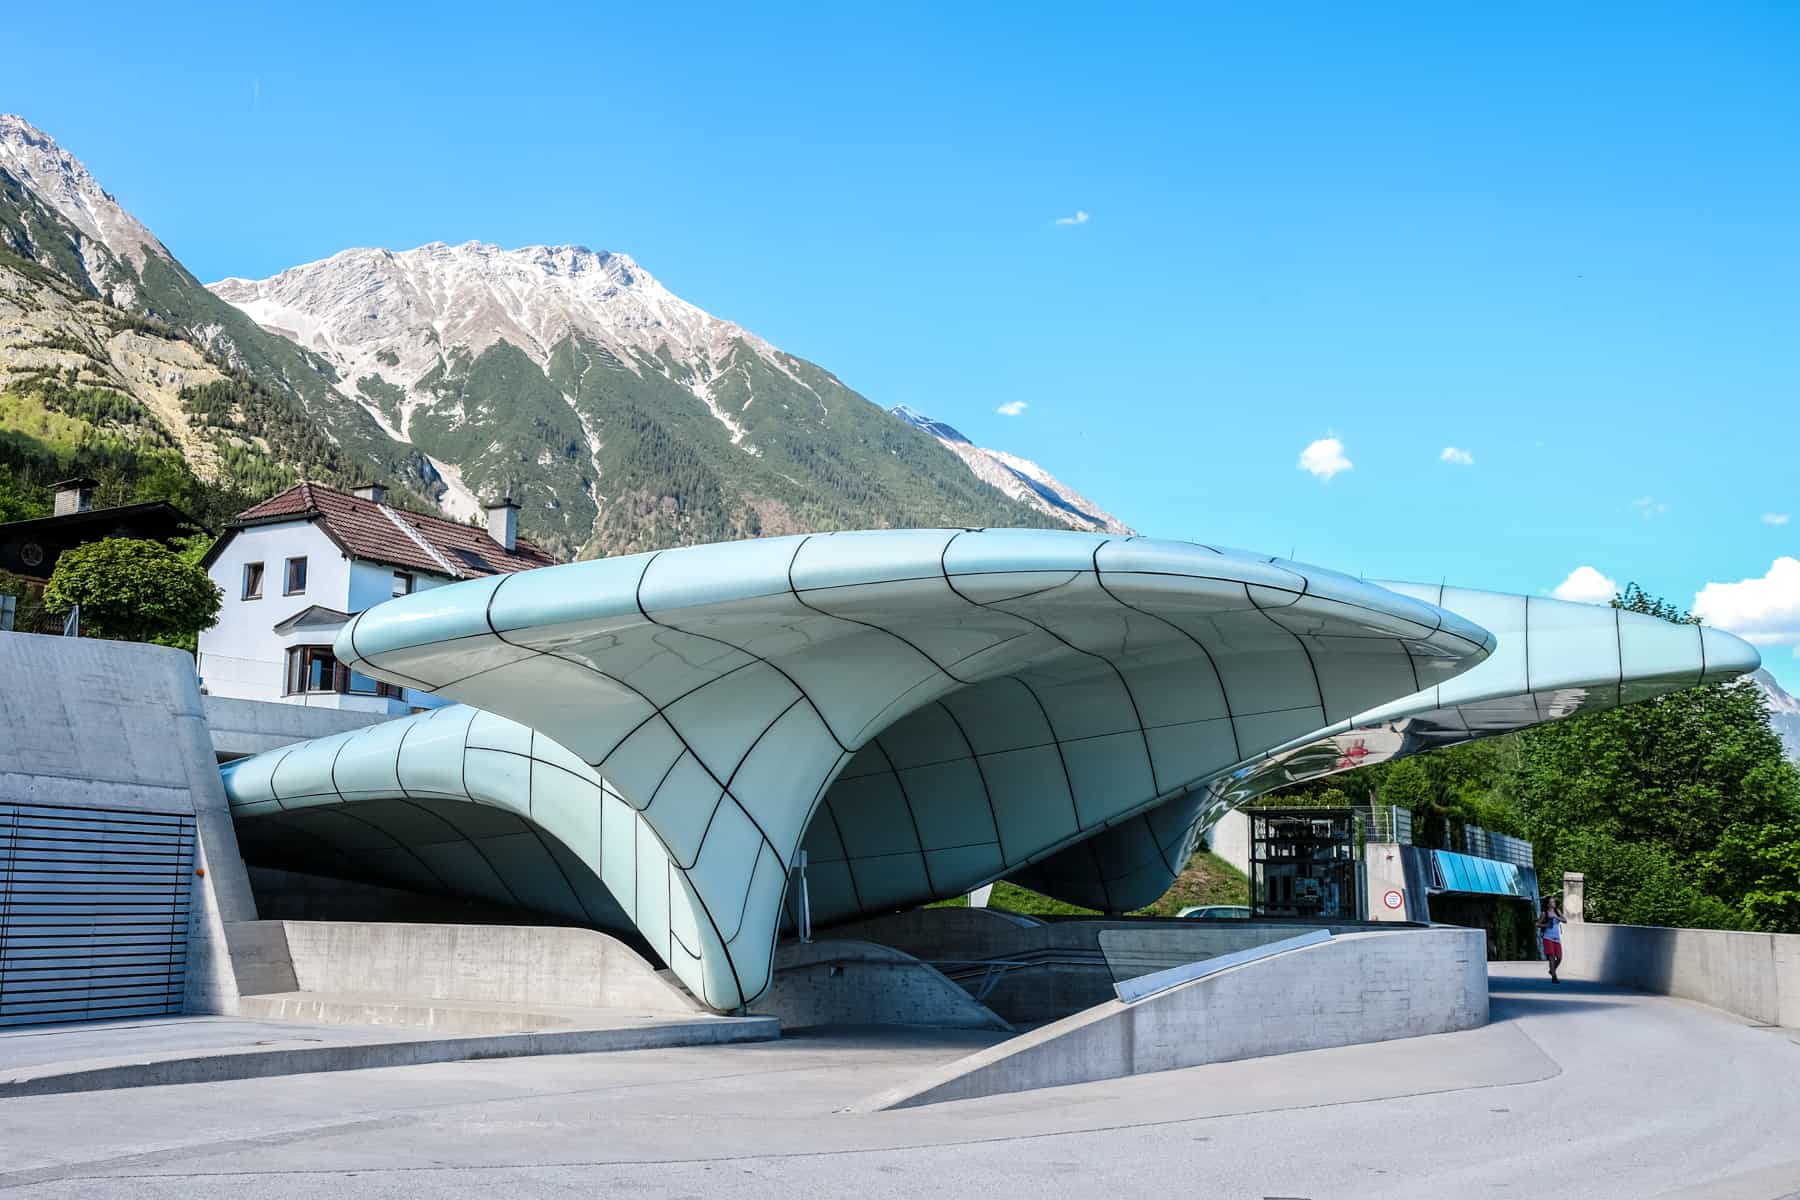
column 1563, row 242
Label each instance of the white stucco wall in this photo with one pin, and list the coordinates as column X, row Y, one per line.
column 242, row 657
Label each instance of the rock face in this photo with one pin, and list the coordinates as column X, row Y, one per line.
column 1019, row 478
column 104, row 328
column 623, row 417
column 1784, row 712
column 620, row 416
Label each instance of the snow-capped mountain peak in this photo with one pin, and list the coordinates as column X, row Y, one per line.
column 395, row 316
column 61, row 181
column 1018, row 477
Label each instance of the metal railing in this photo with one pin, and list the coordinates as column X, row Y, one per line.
column 1485, row 843
column 1385, row 823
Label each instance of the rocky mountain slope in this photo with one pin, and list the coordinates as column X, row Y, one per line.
column 1784, row 712
column 620, row 415
column 99, row 323
column 1019, row 478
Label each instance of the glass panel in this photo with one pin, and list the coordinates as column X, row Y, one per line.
column 253, row 577
column 362, row 685
column 320, row 670
column 296, row 576
column 403, row 583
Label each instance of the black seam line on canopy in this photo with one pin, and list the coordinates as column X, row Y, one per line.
column 1299, row 641
column 1061, row 759
column 736, row 980
column 531, row 823
column 849, row 870
column 1224, row 695
column 1525, row 637
column 273, row 793
column 1619, row 650
column 1114, row 667
column 987, row 793
column 642, row 575
column 364, row 659
column 908, row 853
column 409, row 799
column 661, row 779
column 911, row 816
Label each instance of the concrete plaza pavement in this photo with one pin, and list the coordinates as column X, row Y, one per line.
column 1575, row 1090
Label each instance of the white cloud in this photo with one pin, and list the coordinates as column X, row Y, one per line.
column 1080, row 218
column 1587, row 586
column 1648, row 506
column 1775, row 518
column 1764, row 611
column 1461, row 458
column 1324, row 458
column 1012, row 408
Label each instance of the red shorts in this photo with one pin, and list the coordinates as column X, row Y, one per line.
column 1552, row 948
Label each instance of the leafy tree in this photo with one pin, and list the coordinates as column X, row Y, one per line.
column 1681, row 810
column 135, row 591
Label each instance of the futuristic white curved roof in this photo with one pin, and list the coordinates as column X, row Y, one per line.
column 657, row 736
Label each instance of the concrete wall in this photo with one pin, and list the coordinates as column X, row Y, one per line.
column 1755, row 975
column 119, row 725
column 860, row 983
column 243, row 727
column 1364, row 987
column 501, row 964
column 1229, row 838
column 1030, row 971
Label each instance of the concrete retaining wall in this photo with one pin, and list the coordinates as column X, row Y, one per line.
column 86, row 723
column 860, row 983
column 1755, row 975
column 244, row 727
column 497, row 964
column 1364, row 987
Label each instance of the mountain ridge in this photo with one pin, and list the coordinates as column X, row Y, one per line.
column 620, row 416
column 1018, row 477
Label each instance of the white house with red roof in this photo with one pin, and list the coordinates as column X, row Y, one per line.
column 297, row 566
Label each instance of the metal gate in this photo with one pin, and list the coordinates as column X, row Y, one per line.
column 93, row 913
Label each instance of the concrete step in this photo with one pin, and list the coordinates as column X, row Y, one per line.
column 444, row 1016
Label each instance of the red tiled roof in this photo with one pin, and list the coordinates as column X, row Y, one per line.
column 369, row 530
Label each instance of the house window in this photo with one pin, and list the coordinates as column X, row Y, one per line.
column 253, row 573
column 403, row 583
column 316, row 669
column 296, row 576
column 311, row 669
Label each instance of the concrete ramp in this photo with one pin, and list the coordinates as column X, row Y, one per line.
column 860, row 983
column 1361, row 987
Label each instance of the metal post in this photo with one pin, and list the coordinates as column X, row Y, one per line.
column 803, row 918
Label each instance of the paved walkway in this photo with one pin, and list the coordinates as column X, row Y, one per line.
column 1572, row 1091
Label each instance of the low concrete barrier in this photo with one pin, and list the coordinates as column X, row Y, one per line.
column 1361, row 987
column 1755, row 975
column 497, row 964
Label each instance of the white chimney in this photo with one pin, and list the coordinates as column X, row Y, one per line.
column 503, row 522
column 374, row 493
column 72, row 496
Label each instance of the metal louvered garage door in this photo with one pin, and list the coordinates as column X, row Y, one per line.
column 93, row 913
